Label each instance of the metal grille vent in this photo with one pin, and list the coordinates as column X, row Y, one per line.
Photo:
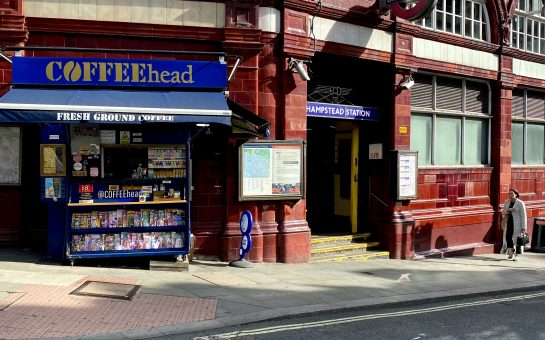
column 422, row 92
column 518, row 103
column 535, row 105
column 449, row 94
column 476, row 97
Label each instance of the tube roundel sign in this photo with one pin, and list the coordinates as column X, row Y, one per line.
column 420, row 9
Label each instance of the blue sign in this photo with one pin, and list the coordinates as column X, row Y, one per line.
column 341, row 111
column 246, row 224
column 119, row 72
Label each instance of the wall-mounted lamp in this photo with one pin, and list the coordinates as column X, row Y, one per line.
column 407, row 83
column 297, row 65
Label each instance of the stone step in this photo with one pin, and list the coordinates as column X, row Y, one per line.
column 365, row 256
column 341, row 249
column 319, row 240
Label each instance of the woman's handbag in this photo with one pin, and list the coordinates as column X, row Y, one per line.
column 523, row 239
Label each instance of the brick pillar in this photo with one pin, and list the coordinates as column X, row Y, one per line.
column 399, row 229
column 231, row 237
column 13, row 32
column 501, row 143
column 294, row 233
column 242, row 39
column 269, row 104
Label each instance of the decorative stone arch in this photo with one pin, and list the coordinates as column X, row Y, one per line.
column 500, row 13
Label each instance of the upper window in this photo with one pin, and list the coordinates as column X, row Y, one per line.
column 467, row 18
column 450, row 121
column 528, row 128
column 528, row 27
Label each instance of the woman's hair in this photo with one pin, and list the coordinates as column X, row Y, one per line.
column 516, row 192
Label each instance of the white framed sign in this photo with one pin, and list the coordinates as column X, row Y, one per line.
column 407, row 174
column 375, row 151
column 271, row 170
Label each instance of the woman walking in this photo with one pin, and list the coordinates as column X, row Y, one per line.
column 515, row 212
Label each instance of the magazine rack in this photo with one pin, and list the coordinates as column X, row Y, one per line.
column 137, row 217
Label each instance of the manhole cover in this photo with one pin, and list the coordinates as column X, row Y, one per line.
column 111, row 290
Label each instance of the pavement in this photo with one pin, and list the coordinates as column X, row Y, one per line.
column 36, row 300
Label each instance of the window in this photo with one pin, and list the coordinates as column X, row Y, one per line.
column 528, row 128
column 528, row 27
column 450, row 121
column 466, row 18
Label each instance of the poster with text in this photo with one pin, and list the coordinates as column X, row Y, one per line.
column 272, row 170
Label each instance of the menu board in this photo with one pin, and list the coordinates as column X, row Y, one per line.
column 271, row 170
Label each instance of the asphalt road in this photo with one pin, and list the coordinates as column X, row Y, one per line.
column 519, row 316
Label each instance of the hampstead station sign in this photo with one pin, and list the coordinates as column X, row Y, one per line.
column 119, row 72
column 341, row 111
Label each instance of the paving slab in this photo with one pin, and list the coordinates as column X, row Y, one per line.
column 35, row 301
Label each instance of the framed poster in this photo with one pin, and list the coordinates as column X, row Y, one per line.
column 407, row 174
column 10, row 155
column 272, row 170
column 53, row 160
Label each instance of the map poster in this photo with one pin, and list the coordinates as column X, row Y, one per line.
column 271, row 170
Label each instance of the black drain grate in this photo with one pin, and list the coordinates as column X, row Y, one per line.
column 110, row 290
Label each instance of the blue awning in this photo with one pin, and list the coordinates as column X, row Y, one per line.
column 113, row 106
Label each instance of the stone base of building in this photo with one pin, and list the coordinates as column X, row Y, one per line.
column 293, row 247
column 230, row 249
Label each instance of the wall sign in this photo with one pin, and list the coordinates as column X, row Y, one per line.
column 375, row 151
column 406, row 163
column 119, row 72
column 271, row 170
column 341, row 111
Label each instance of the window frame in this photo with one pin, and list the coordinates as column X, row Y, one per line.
column 434, row 112
column 525, row 120
column 522, row 22
column 431, row 21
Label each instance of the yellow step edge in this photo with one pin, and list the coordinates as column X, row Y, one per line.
column 362, row 257
column 326, row 239
column 344, row 247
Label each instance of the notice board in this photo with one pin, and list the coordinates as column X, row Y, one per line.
column 10, row 155
column 272, row 170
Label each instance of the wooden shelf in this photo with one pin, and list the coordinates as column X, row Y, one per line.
column 125, row 203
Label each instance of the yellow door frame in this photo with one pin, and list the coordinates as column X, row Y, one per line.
column 354, row 178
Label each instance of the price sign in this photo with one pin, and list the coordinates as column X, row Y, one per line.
column 85, row 188
column 85, row 193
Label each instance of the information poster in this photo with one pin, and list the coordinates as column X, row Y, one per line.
column 52, row 160
column 271, row 170
column 52, row 187
column 407, row 171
